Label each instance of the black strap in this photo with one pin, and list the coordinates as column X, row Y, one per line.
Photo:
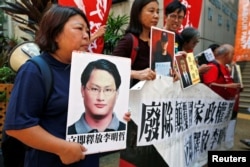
column 46, row 73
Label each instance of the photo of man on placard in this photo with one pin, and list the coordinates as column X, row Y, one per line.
column 100, row 82
column 184, row 72
column 98, row 101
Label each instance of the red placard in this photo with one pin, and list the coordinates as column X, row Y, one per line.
column 97, row 12
column 242, row 38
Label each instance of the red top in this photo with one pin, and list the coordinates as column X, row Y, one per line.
column 221, row 77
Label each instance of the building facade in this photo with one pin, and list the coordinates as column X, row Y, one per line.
column 218, row 20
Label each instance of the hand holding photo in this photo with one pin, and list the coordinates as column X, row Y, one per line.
column 97, row 87
column 187, row 69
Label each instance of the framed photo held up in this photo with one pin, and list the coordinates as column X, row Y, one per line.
column 161, row 50
column 98, row 100
column 187, row 70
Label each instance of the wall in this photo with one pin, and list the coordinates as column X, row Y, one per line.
column 211, row 31
column 217, row 23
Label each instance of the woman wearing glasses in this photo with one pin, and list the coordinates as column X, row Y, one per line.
column 100, row 84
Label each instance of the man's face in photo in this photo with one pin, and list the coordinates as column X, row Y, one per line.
column 99, row 94
column 183, row 65
column 164, row 46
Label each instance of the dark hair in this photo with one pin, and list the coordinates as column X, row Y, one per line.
column 188, row 33
column 175, row 5
column 52, row 24
column 214, row 46
column 101, row 64
column 135, row 25
column 164, row 36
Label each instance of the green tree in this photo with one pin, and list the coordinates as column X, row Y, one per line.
column 115, row 30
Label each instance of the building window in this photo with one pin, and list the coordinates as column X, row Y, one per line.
column 210, row 14
column 228, row 25
column 219, row 20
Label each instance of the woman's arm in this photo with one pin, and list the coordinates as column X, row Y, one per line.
column 99, row 33
column 227, row 85
column 146, row 74
column 36, row 137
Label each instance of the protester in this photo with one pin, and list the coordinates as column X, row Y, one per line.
column 143, row 15
column 213, row 47
column 189, row 38
column 175, row 13
column 219, row 79
column 100, row 88
column 41, row 124
column 218, row 75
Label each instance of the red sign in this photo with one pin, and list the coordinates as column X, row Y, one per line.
column 97, row 12
column 242, row 39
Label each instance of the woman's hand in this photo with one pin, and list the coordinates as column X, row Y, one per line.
column 174, row 74
column 146, row 74
column 127, row 117
column 233, row 85
column 181, row 53
column 72, row 152
column 99, row 33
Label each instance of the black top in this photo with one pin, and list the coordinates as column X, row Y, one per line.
column 124, row 47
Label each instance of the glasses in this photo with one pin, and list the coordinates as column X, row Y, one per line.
column 106, row 91
column 175, row 16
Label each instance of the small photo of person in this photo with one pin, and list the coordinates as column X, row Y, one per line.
column 161, row 53
column 184, row 72
column 161, row 59
column 100, row 83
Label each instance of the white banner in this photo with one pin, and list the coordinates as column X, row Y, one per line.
column 182, row 124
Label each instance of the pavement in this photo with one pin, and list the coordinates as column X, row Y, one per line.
column 242, row 131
